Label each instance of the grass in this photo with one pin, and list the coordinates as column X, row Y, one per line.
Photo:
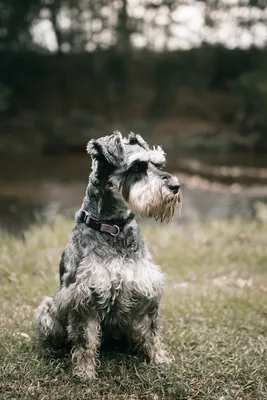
column 214, row 318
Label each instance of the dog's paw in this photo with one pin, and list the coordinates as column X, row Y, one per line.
column 85, row 374
column 162, row 358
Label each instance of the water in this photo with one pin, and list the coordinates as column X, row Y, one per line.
column 45, row 187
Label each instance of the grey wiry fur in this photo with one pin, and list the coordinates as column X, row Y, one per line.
column 109, row 285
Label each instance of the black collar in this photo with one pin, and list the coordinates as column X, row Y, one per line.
column 113, row 227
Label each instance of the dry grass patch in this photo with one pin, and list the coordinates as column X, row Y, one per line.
column 214, row 317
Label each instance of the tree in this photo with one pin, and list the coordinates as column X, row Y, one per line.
column 16, row 18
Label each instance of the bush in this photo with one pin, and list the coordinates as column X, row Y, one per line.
column 4, row 95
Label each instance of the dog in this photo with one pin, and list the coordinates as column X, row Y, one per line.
column 109, row 284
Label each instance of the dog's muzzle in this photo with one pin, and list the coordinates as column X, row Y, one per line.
column 173, row 184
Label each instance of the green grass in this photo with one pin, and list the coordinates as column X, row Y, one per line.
column 214, row 313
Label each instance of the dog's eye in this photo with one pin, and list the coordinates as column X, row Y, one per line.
column 140, row 166
column 159, row 166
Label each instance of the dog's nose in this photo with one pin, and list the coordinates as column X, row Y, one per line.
column 174, row 188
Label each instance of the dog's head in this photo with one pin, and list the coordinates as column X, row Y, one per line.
column 134, row 173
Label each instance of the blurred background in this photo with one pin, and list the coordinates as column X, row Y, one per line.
column 190, row 75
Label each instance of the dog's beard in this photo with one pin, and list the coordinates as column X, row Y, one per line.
column 154, row 200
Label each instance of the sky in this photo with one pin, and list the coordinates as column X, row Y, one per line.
column 187, row 29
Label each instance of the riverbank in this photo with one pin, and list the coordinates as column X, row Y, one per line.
column 39, row 133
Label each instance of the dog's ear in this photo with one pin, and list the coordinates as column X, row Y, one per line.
column 111, row 148
column 93, row 148
column 134, row 138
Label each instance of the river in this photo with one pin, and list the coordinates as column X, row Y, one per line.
column 41, row 188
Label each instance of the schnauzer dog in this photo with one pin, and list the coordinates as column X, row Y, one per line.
column 109, row 284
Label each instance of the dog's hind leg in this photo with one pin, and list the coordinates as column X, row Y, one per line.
column 51, row 332
column 85, row 337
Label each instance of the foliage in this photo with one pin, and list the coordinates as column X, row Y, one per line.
column 213, row 315
column 4, row 95
column 82, row 25
column 251, row 91
column 125, row 60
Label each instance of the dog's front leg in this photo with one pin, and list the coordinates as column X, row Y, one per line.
column 145, row 335
column 84, row 334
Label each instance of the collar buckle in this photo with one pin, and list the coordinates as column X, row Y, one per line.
column 116, row 233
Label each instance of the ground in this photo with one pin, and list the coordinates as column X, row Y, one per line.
column 214, row 315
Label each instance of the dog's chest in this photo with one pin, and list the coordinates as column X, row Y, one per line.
column 122, row 285
column 134, row 280
column 135, row 289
